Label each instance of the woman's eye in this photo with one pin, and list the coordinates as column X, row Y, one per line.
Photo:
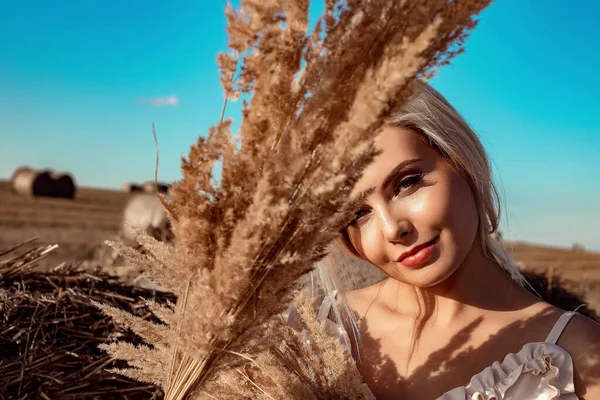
column 408, row 182
column 359, row 216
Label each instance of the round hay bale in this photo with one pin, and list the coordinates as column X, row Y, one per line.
column 577, row 248
column 26, row 181
column 64, row 187
column 150, row 187
column 145, row 212
column 17, row 176
column 129, row 187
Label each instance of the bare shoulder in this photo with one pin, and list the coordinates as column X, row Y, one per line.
column 581, row 338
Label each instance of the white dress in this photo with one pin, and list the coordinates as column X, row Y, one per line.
column 539, row 371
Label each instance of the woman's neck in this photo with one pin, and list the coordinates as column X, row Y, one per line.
column 477, row 286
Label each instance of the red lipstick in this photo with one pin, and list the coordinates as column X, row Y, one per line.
column 418, row 254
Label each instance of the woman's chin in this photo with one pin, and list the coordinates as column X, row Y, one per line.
column 424, row 277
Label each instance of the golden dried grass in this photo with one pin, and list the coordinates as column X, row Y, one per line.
column 242, row 241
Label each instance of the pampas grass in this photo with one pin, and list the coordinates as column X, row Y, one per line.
column 244, row 238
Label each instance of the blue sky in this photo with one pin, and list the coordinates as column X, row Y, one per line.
column 78, row 80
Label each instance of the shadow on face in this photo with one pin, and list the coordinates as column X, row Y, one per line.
column 418, row 198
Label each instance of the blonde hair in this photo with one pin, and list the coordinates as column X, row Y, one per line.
column 432, row 116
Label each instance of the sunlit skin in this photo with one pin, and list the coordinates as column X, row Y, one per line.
column 424, row 201
column 420, row 198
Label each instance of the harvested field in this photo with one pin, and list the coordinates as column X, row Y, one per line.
column 580, row 271
column 76, row 225
column 79, row 226
column 51, row 330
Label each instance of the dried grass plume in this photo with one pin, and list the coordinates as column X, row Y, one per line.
column 243, row 239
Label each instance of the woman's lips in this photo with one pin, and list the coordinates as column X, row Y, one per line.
column 421, row 255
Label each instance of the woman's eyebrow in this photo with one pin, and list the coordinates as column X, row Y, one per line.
column 404, row 164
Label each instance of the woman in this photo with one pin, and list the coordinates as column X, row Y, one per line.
column 452, row 320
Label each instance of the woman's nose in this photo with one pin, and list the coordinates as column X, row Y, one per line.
column 392, row 227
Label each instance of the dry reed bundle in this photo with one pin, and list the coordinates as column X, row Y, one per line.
column 50, row 331
column 242, row 242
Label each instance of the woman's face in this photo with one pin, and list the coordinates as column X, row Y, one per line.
column 421, row 221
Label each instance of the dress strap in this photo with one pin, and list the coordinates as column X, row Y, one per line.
column 559, row 326
column 326, row 305
column 325, row 308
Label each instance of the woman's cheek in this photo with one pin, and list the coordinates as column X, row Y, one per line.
column 374, row 245
column 426, row 210
column 370, row 243
column 462, row 208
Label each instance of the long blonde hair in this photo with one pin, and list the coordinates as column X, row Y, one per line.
column 432, row 116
